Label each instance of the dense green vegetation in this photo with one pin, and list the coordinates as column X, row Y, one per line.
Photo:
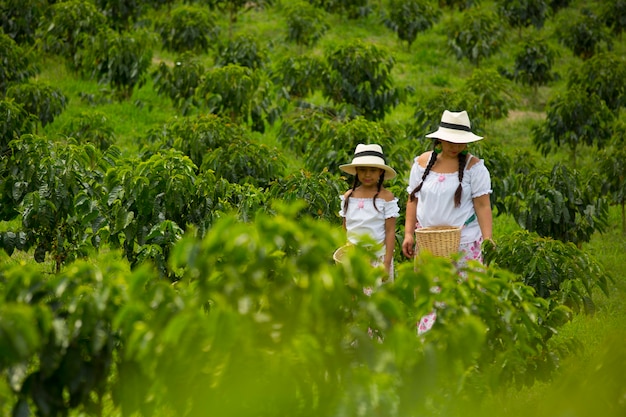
column 169, row 196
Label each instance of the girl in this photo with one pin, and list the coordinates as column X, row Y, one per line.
column 368, row 208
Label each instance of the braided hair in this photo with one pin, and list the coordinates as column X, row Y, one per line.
column 357, row 182
column 433, row 158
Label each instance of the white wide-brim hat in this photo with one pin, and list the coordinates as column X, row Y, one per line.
column 368, row 156
column 455, row 127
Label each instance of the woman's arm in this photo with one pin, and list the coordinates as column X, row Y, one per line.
column 482, row 206
column 408, row 245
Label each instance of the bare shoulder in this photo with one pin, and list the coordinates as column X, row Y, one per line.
column 473, row 161
column 424, row 158
column 386, row 195
column 347, row 194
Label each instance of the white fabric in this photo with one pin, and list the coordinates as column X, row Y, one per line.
column 363, row 219
column 435, row 206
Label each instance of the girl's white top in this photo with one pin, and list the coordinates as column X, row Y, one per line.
column 435, row 201
column 362, row 218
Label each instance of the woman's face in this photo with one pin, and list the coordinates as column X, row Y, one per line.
column 369, row 175
column 452, row 150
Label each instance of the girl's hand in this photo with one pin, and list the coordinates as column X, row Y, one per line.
column 408, row 246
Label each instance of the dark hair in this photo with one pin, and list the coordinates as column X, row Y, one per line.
column 431, row 162
column 356, row 183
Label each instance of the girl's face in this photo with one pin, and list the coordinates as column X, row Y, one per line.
column 369, row 175
column 452, row 150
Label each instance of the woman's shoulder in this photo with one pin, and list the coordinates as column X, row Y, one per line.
column 386, row 195
column 423, row 159
column 474, row 161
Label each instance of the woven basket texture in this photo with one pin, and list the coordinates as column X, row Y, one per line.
column 339, row 253
column 439, row 240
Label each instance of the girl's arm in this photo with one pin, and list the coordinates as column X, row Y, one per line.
column 482, row 206
column 390, row 241
column 408, row 245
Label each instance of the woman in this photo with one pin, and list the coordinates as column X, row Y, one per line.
column 448, row 186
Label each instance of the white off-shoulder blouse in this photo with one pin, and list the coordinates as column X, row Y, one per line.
column 362, row 218
column 435, row 206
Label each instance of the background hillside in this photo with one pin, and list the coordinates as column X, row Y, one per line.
column 135, row 168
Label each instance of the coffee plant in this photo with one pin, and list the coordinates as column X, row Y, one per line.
column 359, row 77
column 187, row 28
column 306, row 24
column 179, row 81
column 39, row 99
column 558, row 271
column 574, row 119
column 558, row 203
column 16, row 66
column 72, row 27
column 408, row 18
column 476, row 36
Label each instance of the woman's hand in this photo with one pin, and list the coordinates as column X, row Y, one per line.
column 408, row 246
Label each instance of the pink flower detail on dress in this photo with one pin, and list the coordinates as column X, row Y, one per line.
column 361, row 204
column 442, row 178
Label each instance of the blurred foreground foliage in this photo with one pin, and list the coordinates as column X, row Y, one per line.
column 262, row 321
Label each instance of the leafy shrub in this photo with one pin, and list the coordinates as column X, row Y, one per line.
column 179, row 82
column 298, row 76
column 558, row 203
column 603, row 75
column 245, row 161
column 306, row 24
column 319, row 190
column 521, row 14
column 478, row 35
column 573, row 119
column 73, row 26
column 558, row 271
column 583, row 33
column 120, row 60
column 410, row 17
column 187, row 28
column 56, row 193
column 139, row 196
column 16, row 66
column 533, row 62
column 243, row 50
column 91, row 127
column 14, row 122
column 493, row 93
column 20, row 19
column 238, row 92
column 195, row 136
column 39, row 99
column 359, row 76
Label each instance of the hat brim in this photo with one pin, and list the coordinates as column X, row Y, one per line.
column 454, row 136
column 390, row 173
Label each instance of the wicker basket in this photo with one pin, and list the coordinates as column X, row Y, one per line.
column 339, row 253
column 439, row 240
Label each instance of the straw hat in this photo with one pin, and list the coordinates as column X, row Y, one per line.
column 455, row 127
column 368, row 156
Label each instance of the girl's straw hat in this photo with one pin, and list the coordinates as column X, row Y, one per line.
column 455, row 127
column 368, row 156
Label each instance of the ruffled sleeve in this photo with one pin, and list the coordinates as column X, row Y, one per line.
column 415, row 176
column 392, row 209
column 341, row 212
column 480, row 179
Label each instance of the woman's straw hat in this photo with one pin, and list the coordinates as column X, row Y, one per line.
column 368, row 156
column 455, row 127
